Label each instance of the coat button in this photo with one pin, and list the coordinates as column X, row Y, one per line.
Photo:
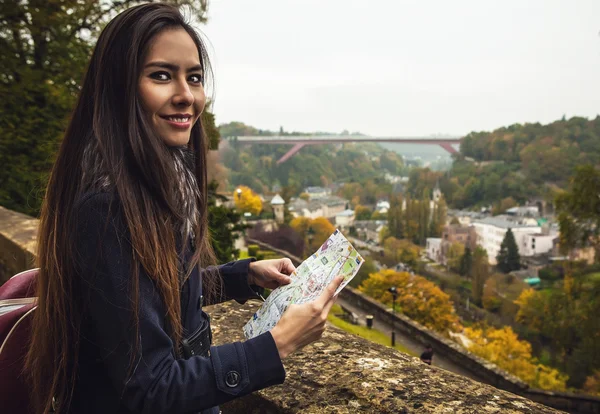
column 232, row 379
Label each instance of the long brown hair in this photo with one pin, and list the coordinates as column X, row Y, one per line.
column 109, row 115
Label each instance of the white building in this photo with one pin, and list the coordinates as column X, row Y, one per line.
column 491, row 231
column 537, row 243
column 344, row 219
column 317, row 192
column 434, row 249
column 382, row 206
column 327, row 207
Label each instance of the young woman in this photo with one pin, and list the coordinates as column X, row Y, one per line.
column 124, row 248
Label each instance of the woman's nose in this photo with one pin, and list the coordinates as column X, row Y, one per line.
column 183, row 95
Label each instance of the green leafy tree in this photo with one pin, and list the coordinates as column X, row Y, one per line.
column 565, row 319
column 479, row 273
column 367, row 269
column 225, row 225
column 466, row 261
column 396, row 220
column 508, row 258
column 44, row 48
column 362, row 213
column 455, row 253
column 579, row 210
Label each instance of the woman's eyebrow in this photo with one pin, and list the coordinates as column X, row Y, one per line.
column 173, row 67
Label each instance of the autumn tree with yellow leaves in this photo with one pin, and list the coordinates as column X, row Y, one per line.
column 314, row 231
column 247, row 200
column 504, row 348
column 418, row 298
column 566, row 319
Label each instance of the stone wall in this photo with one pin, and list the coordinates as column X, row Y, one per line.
column 342, row 373
column 17, row 243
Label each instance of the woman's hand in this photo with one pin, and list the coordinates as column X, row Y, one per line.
column 302, row 324
column 270, row 273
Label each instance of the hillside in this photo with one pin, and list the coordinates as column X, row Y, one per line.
column 521, row 162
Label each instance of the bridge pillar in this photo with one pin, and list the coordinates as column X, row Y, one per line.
column 448, row 147
column 290, row 153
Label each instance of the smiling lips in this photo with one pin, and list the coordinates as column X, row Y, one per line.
column 179, row 121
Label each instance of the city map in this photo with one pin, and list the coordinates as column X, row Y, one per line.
column 335, row 257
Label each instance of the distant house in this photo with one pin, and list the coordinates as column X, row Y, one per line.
column 465, row 235
column 465, row 218
column 537, row 243
column 524, row 211
column 491, row 231
column 382, row 206
column 434, row 249
column 327, row 207
column 344, row 219
column 587, row 254
column 369, row 229
column 317, row 192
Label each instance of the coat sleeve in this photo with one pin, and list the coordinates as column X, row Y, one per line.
column 233, row 278
column 154, row 380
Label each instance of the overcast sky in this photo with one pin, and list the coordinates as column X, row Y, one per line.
column 399, row 67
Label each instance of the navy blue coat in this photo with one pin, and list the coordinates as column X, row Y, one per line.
column 160, row 382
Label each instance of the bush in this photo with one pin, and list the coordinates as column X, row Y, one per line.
column 551, row 273
column 253, row 250
column 266, row 255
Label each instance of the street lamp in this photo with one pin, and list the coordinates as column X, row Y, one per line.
column 239, row 193
column 394, row 293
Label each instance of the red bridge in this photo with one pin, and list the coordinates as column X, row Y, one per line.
column 300, row 141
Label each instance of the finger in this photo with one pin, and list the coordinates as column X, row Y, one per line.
column 329, row 304
column 329, row 291
column 282, row 279
column 287, row 267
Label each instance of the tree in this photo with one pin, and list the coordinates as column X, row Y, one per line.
column 466, row 261
column 400, row 251
column 362, row 213
column 224, row 225
column 479, row 274
column 384, row 233
column 503, row 348
column 396, row 221
column 566, row 320
column 490, row 299
column 366, row 270
column 45, row 47
column 247, row 201
column 320, row 228
column 503, row 205
column 455, row 253
column 579, row 210
column 418, row 298
column 508, row 257
column 592, row 383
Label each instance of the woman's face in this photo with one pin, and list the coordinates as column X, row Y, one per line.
column 170, row 86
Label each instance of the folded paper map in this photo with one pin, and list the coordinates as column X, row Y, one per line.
column 335, row 257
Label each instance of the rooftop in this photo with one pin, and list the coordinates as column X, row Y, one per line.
column 504, row 222
column 277, row 200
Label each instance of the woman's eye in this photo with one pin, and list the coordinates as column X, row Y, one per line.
column 163, row 76
column 196, row 78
